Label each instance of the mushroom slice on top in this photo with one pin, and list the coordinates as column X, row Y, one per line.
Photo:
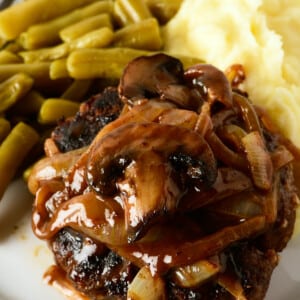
column 135, row 158
column 212, row 81
column 157, row 76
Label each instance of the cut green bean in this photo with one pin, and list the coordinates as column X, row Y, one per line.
column 7, row 57
column 163, row 10
column 38, row 71
column 13, row 151
column 47, row 34
column 77, row 90
column 100, row 63
column 13, row 47
column 143, row 35
column 96, row 39
column 122, row 19
column 14, row 89
column 28, row 105
column 87, row 25
column 17, row 18
column 4, row 129
column 131, row 11
column 58, row 69
column 54, row 109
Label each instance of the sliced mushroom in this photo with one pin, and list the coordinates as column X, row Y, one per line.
column 139, row 144
column 157, row 76
column 211, row 81
column 148, row 191
column 147, row 111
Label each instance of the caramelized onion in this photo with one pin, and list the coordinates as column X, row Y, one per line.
column 160, row 256
column 228, row 183
column 232, row 134
column 235, row 74
column 259, row 159
column 270, row 202
column 198, row 273
column 101, row 219
column 232, row 285
column 204, row 123
column 145, row 286
column 179, row 117
column 248, row 113
column 243, row 205
column 281, row 157
column 54, row 167
column 225, row 154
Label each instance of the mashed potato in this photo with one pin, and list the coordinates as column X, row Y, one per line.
column 262, row 35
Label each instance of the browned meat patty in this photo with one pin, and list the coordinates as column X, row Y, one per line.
column 94, row 114
column 208, row 192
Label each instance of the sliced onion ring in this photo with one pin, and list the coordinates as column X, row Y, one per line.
column 161, row 257
column 259, row 159
column 102, row 220
column 195, row 274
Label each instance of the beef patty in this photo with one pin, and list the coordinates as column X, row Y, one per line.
column 217, row 191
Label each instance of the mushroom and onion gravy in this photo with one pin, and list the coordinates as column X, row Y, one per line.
column 172, row 185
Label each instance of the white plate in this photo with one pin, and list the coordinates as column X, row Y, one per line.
column 24, row 259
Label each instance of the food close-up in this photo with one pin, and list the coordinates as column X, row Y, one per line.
column 149, row 150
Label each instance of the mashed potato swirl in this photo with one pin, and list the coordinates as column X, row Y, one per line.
column 262, row 35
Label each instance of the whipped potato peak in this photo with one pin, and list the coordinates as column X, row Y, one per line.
column 262, row 35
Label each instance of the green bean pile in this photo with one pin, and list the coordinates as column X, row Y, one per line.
column 54, row 53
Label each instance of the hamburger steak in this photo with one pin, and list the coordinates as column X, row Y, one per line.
column 172, row 185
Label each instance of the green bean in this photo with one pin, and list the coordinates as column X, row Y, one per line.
column 47, row 34
column 54, row 109
column 58, row 69
column 13, row 151
column 77, row 90
column 131, row 11
column 14, row 89
column 120, row 16
column 29, row 104
column 80, row 28
column 7, row 57
column 100, row 63
column 2, row 42
column 13, row 47
column 96, row 39
column 163, row 10
column 142, row 35
column 17, row 18
column 38, row 71
column 109, row 62
column 45, row 54
column 4, row 128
